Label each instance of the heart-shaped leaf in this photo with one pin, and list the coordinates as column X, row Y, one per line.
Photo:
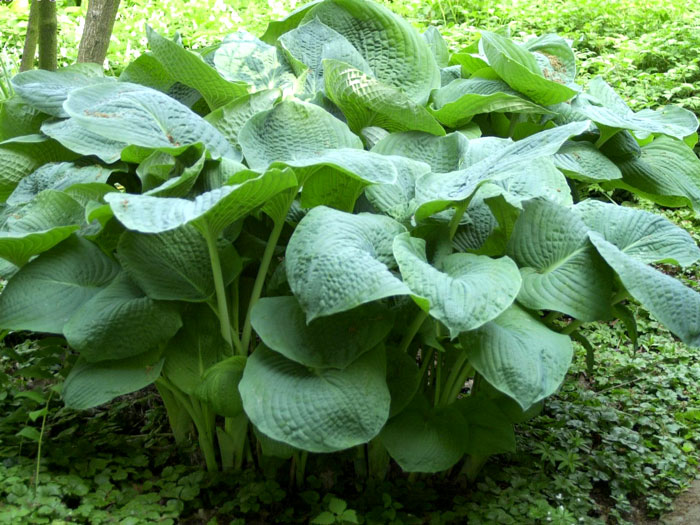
column 319, row 410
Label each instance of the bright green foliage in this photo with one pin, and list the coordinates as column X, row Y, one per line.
column 265, row 268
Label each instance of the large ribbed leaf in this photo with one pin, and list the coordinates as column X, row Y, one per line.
column 147, row 70
column 397, row 54
column 519, row 68
column 119, row 322
column 18, row 118
column 189, row 69
column 276, row 28
column 603, row 106
column 329, row 342
column 47, row 90
column 215, row 209
column 174, row 265
column 645, row 236
column 47, row 291
column 229, row 119
column 519, row 356
column 219, row 386
column 19, row 159
column 39, row 226
column 492, row 162
column 144, row 117
column 672, row 303
column 91, row 384
column 365, row 101
column 455, row 104
column 443, row 154
column 667, row 172
column 319, row 410
column 397, row 199
column 426, row 439
column 243, row 58
column 437, row 45
column 293, row 130
column 58, row 176
column 555, row 58
column 76, row 138
column 583, row 161
column 561, row 270
column 336, row 261
column 466, row 292
column 197, row 346
column 309, row 44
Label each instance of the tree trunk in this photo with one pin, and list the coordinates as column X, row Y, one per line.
column 30, row 40
column 99, row 23
column 48, row 28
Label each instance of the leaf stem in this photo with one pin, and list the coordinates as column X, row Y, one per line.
column 41, row 439
column 224, row 319
column 412, row 331
column 456, row 379
column 571, row 327
column 260, row 281
column 460, row 209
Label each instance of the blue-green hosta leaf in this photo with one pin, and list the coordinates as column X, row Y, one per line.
column 144, row 117
column 91, row 384
column 191, row 70
column 672, row 303
column 455, row 104
column 182, row 182
column 319, row 410
column 519, row 68
column 215, row 209
column 196, row 347
column 561, row 270
column 437, row 45
column 581, row 160
column 219, row 387
column 519, row 356
column 18, row 118
column 365, row 101
column 76, row 138
column 490, row 430
column 119, row 322
column 336, row 261
column 555, row 58
column 243, row 58
column 39, row 225
column 645, row 236
column 491, row 161
column 310, row 43
column 449, row 74
column 329, row 342
column 443, row 154
column 174, row 265
column 426, row 439
column 603, row 106
column 47, row 90
column 372, row 135
column 397, row 199
column 277, row 28
column 19, row 159
column 469, row 61
column 667, row 172
column 230, row 118
column 292, row 130
column 155, row 169
column 58, row 176
column 147, row 70
column 397, row 54
column 466, row 292
column 46, row 292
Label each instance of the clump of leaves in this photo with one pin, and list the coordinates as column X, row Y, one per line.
column 326, row 233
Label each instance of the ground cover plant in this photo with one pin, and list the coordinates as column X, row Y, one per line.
column 391, row 222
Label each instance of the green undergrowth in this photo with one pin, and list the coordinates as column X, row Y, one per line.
column 611, row 447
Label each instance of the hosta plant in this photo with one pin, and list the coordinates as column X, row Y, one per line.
column 338, row 234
